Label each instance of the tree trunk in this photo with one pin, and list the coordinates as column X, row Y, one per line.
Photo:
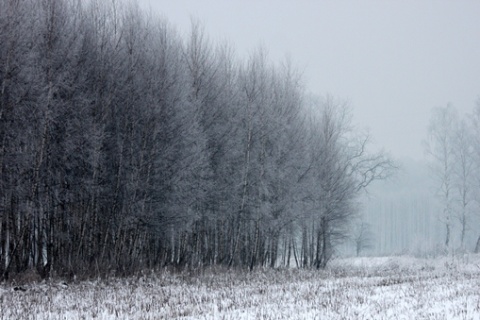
column 477, row 247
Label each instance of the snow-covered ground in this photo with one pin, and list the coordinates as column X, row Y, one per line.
column 364, row 288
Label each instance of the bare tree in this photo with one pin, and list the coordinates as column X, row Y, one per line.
column 475, row 145
column 362, row 235
column 440, row 147
column 341, row 167
column 463, row 175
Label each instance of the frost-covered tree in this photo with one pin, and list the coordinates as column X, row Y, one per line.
column 338, row 168
column 362, row 235
column 463, row 176
column 440, row 147
column 475, row 152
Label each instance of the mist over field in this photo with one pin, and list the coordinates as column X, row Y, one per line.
column 259, row 160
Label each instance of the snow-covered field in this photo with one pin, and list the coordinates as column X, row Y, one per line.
column 366, row 288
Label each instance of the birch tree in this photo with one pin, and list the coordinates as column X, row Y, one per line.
column 463, row 176
column 440, row 147
column 475, row 131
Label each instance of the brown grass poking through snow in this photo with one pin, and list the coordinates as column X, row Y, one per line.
column 374, row 288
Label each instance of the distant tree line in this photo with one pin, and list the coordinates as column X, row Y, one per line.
column 124, row 146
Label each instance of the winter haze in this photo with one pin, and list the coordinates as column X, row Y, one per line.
column 239, row 159
column 392, row 60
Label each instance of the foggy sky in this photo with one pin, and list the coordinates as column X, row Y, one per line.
column 393, row 61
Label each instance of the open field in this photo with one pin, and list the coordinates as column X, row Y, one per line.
column 364, row 288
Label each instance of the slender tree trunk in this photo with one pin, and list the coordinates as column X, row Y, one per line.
column 326, row 245
column 294, row 249
column 319, row 249
column 477, row 246
column 447, row 234
column 254, row 251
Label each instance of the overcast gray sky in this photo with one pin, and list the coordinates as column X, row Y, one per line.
column 393, row 60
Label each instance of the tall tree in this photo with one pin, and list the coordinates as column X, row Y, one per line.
column 440, row 147
column 475, row 135
column 463, row 175
column 340, row 168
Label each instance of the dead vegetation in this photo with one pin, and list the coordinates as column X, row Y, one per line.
column 376, row 288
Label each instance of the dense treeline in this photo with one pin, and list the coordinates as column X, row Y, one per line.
column 124, row 146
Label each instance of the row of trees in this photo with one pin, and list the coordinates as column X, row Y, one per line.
column 454, row 149
column 124, row 146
